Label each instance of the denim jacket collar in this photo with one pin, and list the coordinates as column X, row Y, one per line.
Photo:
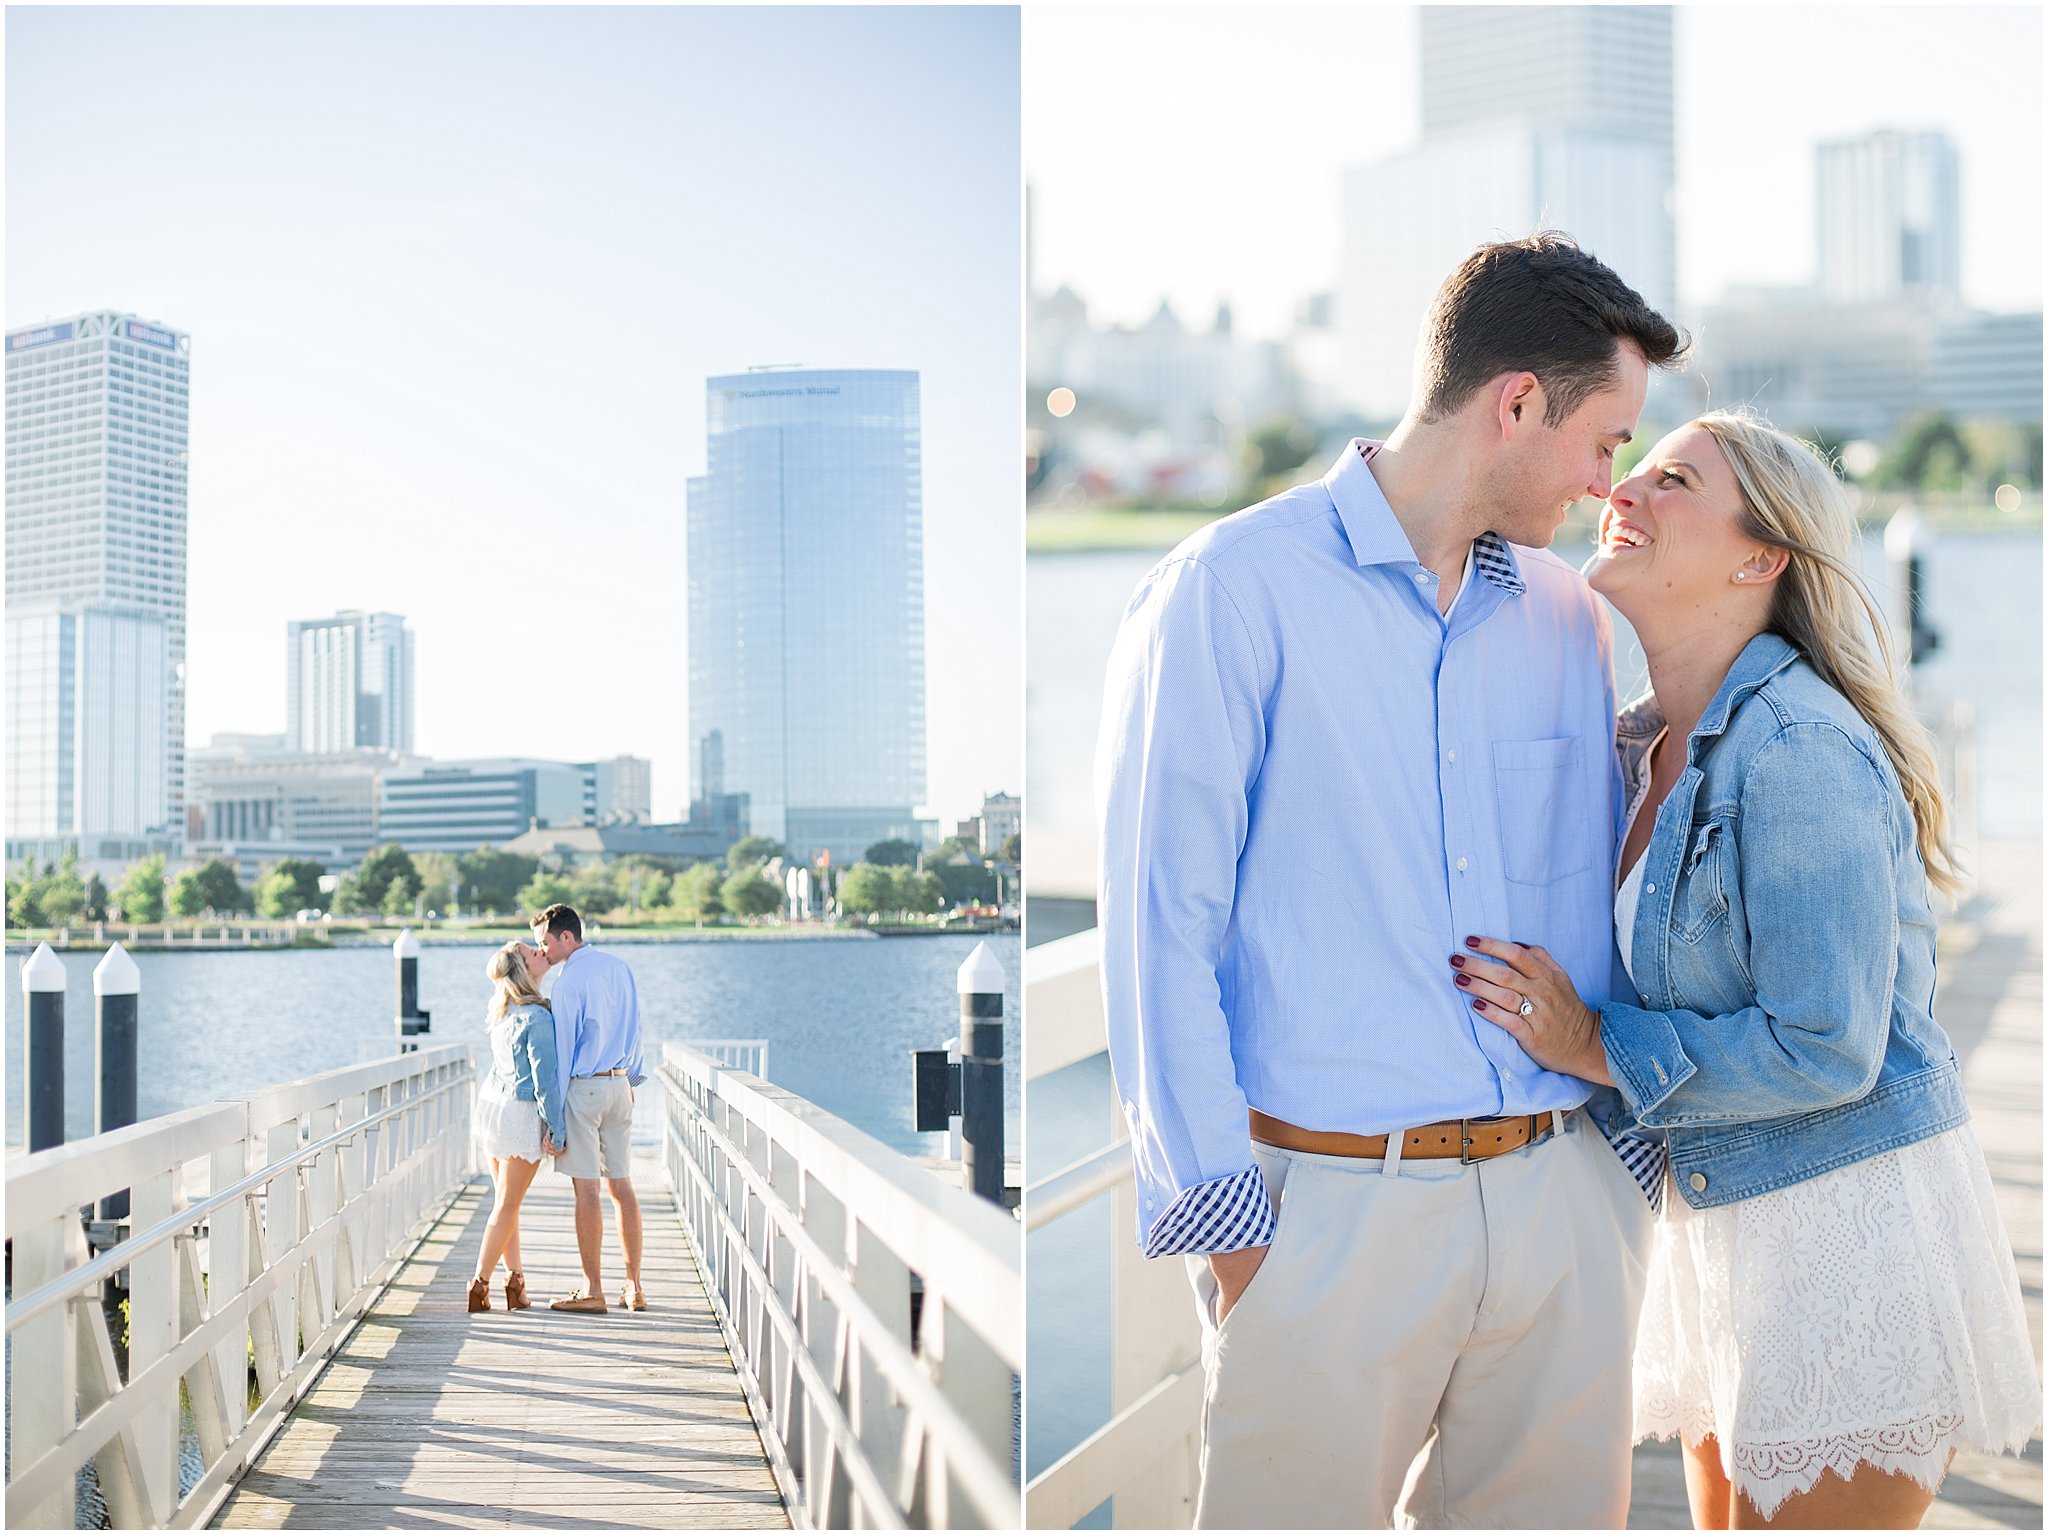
column 1639, row 724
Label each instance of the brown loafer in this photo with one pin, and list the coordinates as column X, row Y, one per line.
column 580, row 1302
column 633, row 1298
column 479, row 1295
column 515, row 1293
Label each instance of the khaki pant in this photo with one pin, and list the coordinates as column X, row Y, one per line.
column 1432, row 1345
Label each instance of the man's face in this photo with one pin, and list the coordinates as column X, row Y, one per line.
column 555, row 945
column 1548, row 468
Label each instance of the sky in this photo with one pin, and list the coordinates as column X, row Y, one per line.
column 454, row 279
column 1196, row 152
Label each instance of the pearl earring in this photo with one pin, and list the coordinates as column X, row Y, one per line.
column 1738, row 575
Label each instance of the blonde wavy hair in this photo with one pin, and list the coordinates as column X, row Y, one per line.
column 513, row 986
column 1793, row 501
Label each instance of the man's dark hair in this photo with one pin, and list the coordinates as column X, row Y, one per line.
column 1542, row 306
column 559, row 918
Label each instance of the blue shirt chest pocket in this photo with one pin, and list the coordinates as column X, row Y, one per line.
column 1544, row 832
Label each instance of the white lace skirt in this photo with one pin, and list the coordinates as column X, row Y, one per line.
column 1869, row 1316
column 502, row 1125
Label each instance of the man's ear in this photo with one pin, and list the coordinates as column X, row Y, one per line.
column 1519, row 403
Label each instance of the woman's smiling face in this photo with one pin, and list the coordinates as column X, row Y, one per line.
column 1672, row 535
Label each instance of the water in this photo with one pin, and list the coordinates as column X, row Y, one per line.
column 1984, row 596
column 840, row 1016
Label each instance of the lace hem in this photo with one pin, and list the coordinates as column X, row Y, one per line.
column 1770, row 1474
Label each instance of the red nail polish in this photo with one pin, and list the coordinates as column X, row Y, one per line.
column 1479, row 1004
column 1464, row 980
column 1471, row 942
column 1457, row 961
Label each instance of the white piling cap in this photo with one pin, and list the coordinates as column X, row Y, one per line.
column 982, row 974
column 44, row 971
column 116, row 975
column 1906, row 534
column 407, row 946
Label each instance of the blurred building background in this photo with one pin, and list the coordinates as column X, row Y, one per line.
column 1557, row 117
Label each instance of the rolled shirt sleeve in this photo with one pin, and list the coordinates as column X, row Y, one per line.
column 1817, row 849
column 1183, row 735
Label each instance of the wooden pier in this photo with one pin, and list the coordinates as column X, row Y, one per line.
column 434, row 1417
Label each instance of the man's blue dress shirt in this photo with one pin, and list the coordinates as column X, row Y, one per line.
column 1312, row 787
column 597, row 1017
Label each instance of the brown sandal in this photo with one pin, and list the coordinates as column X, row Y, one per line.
column 480, row 1295
column 515, row 1292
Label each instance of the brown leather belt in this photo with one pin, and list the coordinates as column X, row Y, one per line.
column 1469, row 1140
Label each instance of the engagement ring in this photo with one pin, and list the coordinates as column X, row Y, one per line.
column 1526, row 1008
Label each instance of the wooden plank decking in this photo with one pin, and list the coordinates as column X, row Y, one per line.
column 1990, row 1003
column 432, row 1417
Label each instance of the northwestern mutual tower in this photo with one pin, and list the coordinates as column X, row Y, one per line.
column 806, row 591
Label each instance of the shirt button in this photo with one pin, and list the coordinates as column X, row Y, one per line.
column 1699, row 1183
column 1422, row 578
column 1461, row 866
column 1453, row 755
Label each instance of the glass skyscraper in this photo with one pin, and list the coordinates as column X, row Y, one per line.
column 97, row 407
column 348, row 683
column 806, row 594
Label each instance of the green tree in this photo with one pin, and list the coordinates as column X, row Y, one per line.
column 22, row 908
column 965, row 883
column 401, row 897
column 291, row 885
column 370, row 884
column 750, row 893
column 542, row 891
column 594, row 890
column 893, row 853
column 219, row 888
column 188, row 897
column 1929, row 453
column 96, row 899
column 655, row 885
column 695, row 892
column 1277, row 448
column 1013, row 848
column 917, row 894
column 141, row 892
column 867, row 889
column 437, row 872
column 491, row 878
column 61, row 894
column 751, row 852
column 953, row 845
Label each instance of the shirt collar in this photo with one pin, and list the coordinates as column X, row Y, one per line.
column 1375, row 534
column 1761, row 660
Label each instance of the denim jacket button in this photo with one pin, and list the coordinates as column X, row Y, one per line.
column 1649, row 890
column 1660, row 1072
column 1643, row 997
column 1699, row 1183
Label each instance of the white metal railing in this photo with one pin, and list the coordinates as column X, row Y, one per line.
column 813, row 1237
column 313, row 1193
column 748, row 1055
column 1146, row 1455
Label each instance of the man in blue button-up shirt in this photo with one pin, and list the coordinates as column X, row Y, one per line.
column 1342, row 730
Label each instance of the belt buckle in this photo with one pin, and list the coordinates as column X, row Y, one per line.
column 1465, row 1157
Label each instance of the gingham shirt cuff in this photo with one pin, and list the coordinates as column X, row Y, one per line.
column 1219, row 1216
column 1645, row 1160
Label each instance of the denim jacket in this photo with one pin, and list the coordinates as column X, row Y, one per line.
column 523, row 1055
column 1784, row 945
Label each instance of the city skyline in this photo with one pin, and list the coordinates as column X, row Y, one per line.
column 524, row 274
column 1243, row 204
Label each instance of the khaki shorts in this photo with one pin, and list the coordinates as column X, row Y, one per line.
column 600, row 1115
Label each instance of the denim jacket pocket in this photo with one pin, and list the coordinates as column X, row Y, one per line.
column 1542, row 839
column 1700, row 900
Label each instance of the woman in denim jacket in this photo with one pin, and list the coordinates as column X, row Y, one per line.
column 518, row 1112
column 1832, row 1290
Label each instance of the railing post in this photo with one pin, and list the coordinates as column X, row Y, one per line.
column 115, row 986
column 42, row 985
column 42, row 1386
column 981, row 1072
column 153, row 1333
